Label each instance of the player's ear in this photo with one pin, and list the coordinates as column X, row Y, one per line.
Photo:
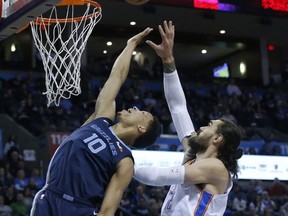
column 218, row 139
column 141, row 128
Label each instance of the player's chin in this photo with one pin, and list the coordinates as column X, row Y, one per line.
column 193, row 134
column 121, row 113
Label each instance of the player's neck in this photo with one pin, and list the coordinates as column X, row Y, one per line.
column 124, row 134
column 209, row 153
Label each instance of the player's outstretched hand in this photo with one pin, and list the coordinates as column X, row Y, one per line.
column 165, row 49
column 138, row 38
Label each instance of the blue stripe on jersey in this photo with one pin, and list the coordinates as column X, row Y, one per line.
column 203, row 203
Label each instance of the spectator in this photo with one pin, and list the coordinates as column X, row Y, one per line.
column 165, row 119
column 9, row 195
column 239, row 204
column 141, row 209
column 266, row 149
column 159, row 196
column 32, row 187
column 235, row 190
column 227, row 115
column 277, row 191
column 276, row 150
column 233, row 89
column 12, row 163
column 267, row 204
column 172, row 129
column 154, row 210
column 4, row 180
column 5, row 210
column 39, row 181
column 149, row 99
column 234, row 103
column 28, row 197
column 20, row 182
column 22, row 166
column 284, row 210
column 10, row 145
column 252, row 151
column 258, row 186
column 157, row 68
column 147, row 68
column 216, row 113
column 254, row 207
column 126, row 202
column 18, row 207
column 140, row 193
column 251, row 194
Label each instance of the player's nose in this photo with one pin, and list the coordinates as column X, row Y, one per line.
column 135, row 108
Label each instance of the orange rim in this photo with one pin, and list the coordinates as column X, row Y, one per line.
column 46, row 21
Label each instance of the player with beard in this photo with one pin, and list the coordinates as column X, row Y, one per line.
column 201, row 185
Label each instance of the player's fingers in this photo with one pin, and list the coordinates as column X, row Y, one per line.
column 170, row 29
column 165, row 25
column 170, row 24
column 151, row 44
column 146, row 31
column 161, row 31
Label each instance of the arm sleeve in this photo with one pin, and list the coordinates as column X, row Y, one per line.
column 156, row 176
column 177, row 105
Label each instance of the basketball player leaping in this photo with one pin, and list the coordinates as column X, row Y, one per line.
column 202, row 184
column 93, row 166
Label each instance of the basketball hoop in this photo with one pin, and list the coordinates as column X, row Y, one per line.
column 61, row 35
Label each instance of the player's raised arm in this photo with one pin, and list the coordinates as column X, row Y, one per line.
column 172, row 86
column 105, row 103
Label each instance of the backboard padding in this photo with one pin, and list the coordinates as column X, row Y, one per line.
column 21, row 13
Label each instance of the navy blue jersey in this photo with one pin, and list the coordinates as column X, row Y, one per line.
column 84, row 163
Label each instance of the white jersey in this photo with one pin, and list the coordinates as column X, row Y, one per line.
column 190, row 200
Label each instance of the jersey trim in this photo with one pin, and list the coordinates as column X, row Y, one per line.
column 203, row 203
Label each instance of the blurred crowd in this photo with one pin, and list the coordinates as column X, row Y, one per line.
column 248, row 106
column 251, row 198
column 19, row 184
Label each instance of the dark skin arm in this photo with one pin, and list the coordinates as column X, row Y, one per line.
column 105, row 103
column 117, row 185
column 105, row 107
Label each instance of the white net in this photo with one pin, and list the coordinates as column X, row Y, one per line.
column 61, row 42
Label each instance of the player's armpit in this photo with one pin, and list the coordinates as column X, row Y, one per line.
column 117, row 185
column 206, row 171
